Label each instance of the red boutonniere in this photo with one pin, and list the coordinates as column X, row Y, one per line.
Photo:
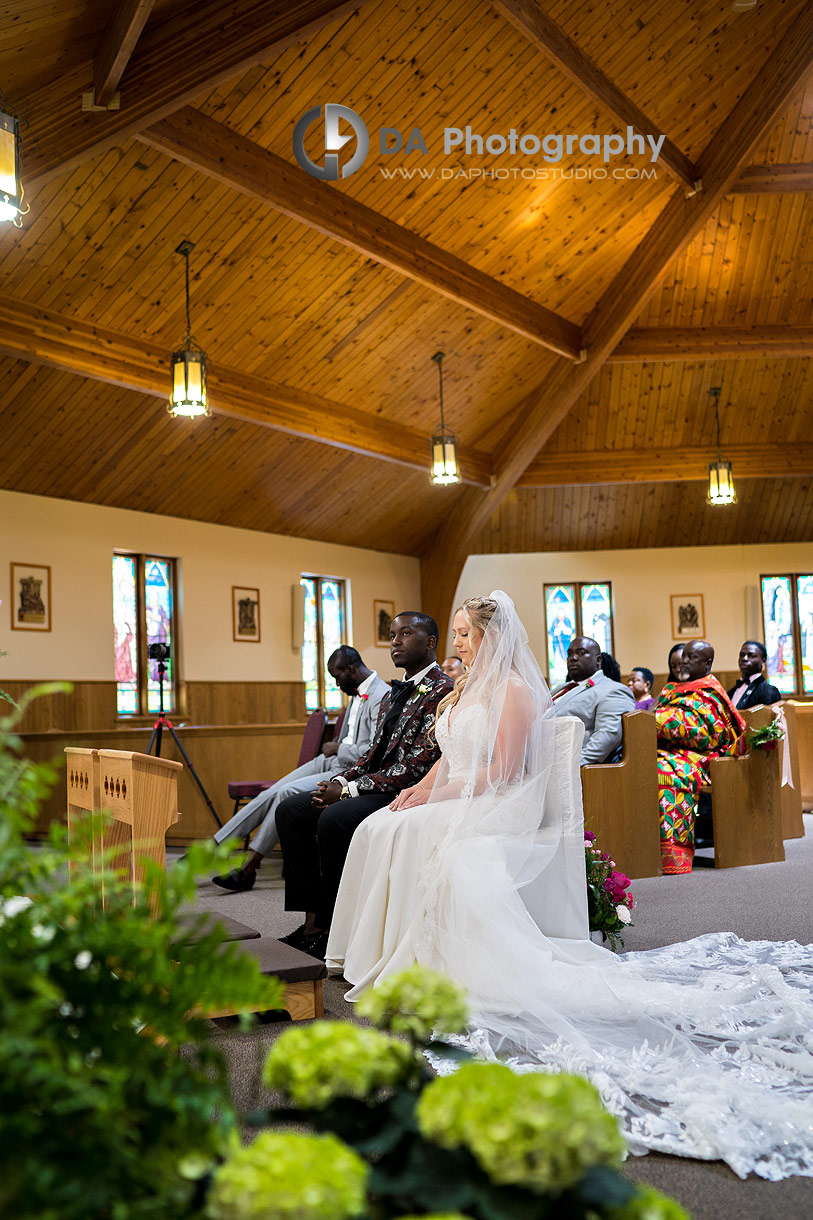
column 364, row 696
column 590, row 683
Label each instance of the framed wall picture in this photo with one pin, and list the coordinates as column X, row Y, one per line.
column 688, row 619
column 383, row 614
column 30, row 597
column 245, row 608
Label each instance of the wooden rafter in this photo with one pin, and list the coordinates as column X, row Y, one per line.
column 554, row 43
column 44, row 337
column 175, row 61
column 664, row 465
column 712, row 343
column 544, row 409
column 228, row 157
column 774, row 179
column 114, row 51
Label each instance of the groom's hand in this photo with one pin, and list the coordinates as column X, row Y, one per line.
column 326, row 794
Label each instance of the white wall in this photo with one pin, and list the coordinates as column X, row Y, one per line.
column 643, row 580
column 77, row 542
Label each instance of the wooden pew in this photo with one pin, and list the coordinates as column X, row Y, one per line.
column 804, row 733
column 621, row 800
column 747, row 803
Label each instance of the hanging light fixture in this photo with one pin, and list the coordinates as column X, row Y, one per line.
column 721, row 482
column 11, row 189
column 444, row 445
column 188, row 395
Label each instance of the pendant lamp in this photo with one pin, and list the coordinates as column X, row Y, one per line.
column 443, row 445
column 188, row 396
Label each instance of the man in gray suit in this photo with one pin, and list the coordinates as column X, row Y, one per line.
column 597, row 701
column 352, row 677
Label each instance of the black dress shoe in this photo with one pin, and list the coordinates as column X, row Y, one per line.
column 295, row 938
column 315, row 945
column 236, row 881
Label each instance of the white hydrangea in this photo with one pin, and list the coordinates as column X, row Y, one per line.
column 623, row 914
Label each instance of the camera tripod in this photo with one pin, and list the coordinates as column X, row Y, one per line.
column 163, row 722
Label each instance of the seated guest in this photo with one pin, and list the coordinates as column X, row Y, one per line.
column 610, row 667
column 640, row 683
column 696, row 722
column 315, row 831
column 753, row 688
column 453, row 668
column 673, row 664
column 367, row 690
column 597, row 701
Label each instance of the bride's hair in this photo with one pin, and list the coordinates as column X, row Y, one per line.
column 478, row 612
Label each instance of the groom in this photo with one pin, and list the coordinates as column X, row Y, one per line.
column 315, row 831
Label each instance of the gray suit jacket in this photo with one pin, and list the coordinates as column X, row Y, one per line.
column 600, row 708
column 365, row 729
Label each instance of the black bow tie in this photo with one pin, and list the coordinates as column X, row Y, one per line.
column 400, row 688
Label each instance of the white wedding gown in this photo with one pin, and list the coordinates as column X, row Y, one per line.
column 701, row 1049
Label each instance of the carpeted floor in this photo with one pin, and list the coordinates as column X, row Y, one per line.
column 764, row 902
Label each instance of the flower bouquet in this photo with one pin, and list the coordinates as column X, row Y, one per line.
column 609, row 901
column 766, row 738
column 383, row 1138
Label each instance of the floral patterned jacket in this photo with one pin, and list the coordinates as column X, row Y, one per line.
column 411, row 749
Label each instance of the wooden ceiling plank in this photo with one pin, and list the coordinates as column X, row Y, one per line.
column 220, row 153
column 544, row 409
column 712, row 342
column 554, row 43
column 174, row 62
column 40, row 335
column 117, row 45
column 774, row 179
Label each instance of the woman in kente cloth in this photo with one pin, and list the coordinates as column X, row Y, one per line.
column 696, row 722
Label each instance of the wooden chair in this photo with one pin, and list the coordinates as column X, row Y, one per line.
column 140, row 791
column 621, row 799
column 746, row 803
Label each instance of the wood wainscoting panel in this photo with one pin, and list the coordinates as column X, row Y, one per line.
column 218, row 753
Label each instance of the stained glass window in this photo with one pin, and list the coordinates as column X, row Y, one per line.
column 571, row 610
column 804, row 600
column 143, row 614
column 777, row 613
column 324, row 631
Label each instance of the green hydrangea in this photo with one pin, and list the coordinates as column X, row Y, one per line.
column 316, row 1063
column 535, row 1130
column 649, row 1204
column 289, row 1177
column 417, row 1002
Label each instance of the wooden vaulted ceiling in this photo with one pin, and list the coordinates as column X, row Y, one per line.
column 583, row 321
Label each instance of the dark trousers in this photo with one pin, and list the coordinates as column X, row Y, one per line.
column 314, row 846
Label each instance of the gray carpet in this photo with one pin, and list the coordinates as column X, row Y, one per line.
column 764, row 902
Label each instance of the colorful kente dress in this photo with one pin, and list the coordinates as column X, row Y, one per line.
column 696, row 722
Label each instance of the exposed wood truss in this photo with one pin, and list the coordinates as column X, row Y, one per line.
column 225, row 155
column 173, row 62
column 719, row 166
column 664, row 465
column 43, row 337
column 554, row 43
column 117, row 45
column 712, row 343
column 774, row 179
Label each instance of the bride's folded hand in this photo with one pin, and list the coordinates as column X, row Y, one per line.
column 410, row 797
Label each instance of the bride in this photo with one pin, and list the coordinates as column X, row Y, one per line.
column 701, row 1049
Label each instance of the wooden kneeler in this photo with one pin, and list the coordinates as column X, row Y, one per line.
column 621, row 799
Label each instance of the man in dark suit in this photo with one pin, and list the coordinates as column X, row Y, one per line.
column 315, row 831
column 752, row 688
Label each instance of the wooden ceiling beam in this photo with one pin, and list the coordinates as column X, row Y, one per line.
column 545, row 408
column 117, row 45
column 553, row 42
column 44, row 337
column 228, row 157
column 664, row 465
column 712, row 343
column 774, row 179
column 174, row 61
